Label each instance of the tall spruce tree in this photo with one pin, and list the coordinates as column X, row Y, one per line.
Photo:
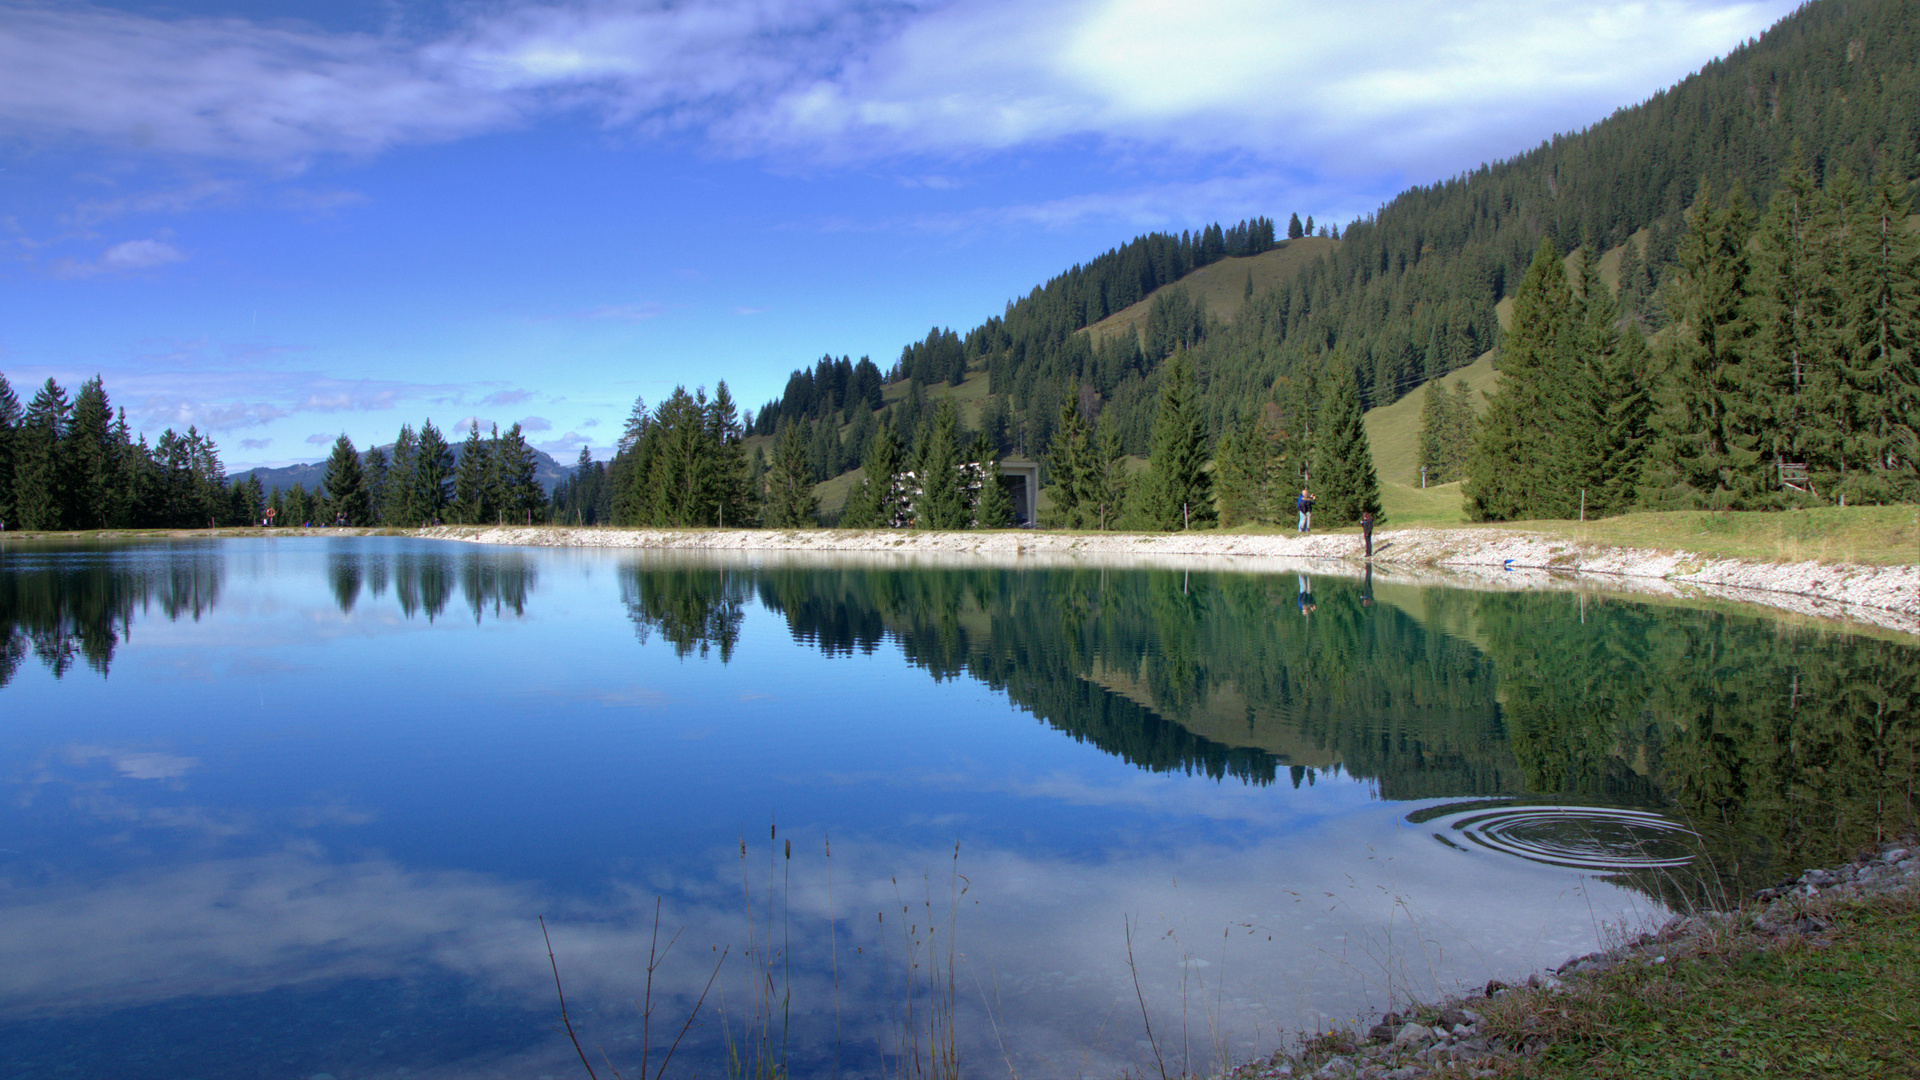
column 520, row 497
column 1433, row 457
column 728, row 491
column 1344, row 482
column 1513, row 456
column 398, row 509
column 1178, row 490
column 875, row 502
column 1067, row 466
column 1626, row 403
column 346, row 483
column 373, row 469
column 432, row 474
column 1107, row 480
column 38, row 469
column 791, row 503
column 943, row 503
column 10, row 417
column 92, row 460
column 1240, row 475
column 1882, row 333
column 992, row 509
column 473, row 487
column 1705, row 430
column 1788, row 375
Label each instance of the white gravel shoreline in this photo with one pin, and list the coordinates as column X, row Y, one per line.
column 1883, row 596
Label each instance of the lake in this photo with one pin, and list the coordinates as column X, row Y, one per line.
column 296, row 807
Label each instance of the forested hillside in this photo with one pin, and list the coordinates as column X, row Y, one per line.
column 1409, row 292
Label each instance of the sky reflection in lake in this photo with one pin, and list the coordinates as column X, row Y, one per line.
column 321, row 788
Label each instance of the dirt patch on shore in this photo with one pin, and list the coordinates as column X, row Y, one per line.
column 1882, row 596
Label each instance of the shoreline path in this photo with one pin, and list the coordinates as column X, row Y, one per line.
column 1887, row 597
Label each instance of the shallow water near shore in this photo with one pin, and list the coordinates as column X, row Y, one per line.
column 292, row 806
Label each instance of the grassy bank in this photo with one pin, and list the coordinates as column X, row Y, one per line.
column 1843, row 1001
column 1863, row 535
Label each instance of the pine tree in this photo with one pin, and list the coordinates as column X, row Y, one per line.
column 346, row 484
column 432, row 474
column 1463, row 430
column 10, row 418
column 1107, row 480
column 1626, row 398
column 992, row 509
column 943, row 504
column 729, row 489
column 791, row 503
column 1433, row 455
column 1787, row 379
column 874, row 502
column 1883, row 330
column 1704, row 432
column 90, row 459
column 1240, row 475
column 1344, row 482
column 1588, row 341
column 1067, row 466
column 1178, row 489
column 1513, row 454
column 398, row 509
column 373, row 468
column 38, row 469
column 519, row 486
column 255, row 500
column 473, row 479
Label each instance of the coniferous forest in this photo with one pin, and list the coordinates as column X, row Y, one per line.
column 1715, row 296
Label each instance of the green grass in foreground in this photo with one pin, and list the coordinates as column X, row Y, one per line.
column 1843, row 1005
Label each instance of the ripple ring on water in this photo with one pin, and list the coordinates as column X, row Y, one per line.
column 1581, row 837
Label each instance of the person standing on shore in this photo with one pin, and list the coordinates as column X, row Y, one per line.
column 1304, row 504
column 1366, row 530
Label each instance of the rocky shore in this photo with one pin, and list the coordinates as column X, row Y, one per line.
column 1882, row 596
column 1477, row 1034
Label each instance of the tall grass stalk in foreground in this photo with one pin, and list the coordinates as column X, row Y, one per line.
column 939, row 1057
column 761, row 1053
column 655, row 956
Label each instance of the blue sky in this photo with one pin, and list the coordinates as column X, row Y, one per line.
column 284, row 221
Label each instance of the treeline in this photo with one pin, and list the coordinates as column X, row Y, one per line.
column 421, row 480
column 1788, row 377
column 1035, row 327
column 75, row 464
column 683, row 463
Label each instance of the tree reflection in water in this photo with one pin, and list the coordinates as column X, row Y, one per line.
column 80, row 606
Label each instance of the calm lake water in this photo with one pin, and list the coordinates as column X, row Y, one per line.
column 292, row 807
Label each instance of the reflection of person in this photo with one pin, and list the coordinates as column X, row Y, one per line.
column 1366, row 530
column 1306, row 597
column 1304, row 504
column 1366, row 588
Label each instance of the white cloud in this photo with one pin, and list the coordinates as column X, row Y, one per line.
column 506, row 397
column 1375, row 83
column 319, row 438
column 536, row 423
column 255, row 444
column 126, row 257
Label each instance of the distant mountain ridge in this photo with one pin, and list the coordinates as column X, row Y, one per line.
column 546, row 470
